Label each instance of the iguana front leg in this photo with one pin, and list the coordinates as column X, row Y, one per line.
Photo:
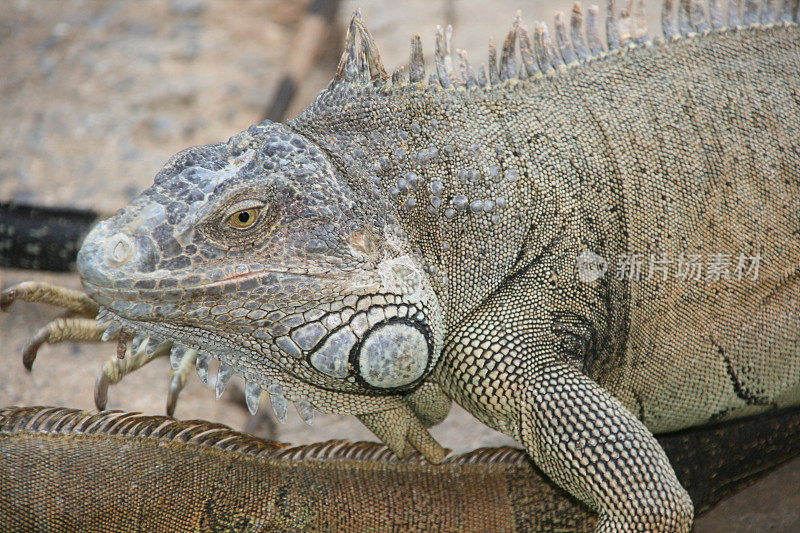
column 508, row 367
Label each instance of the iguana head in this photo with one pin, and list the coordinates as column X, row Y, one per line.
column 257, row 252
column 315, row 258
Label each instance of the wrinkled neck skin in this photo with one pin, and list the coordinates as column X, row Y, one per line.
column 478, row 182
column 438, row 164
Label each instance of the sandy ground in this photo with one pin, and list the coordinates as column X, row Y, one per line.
column 96, row 95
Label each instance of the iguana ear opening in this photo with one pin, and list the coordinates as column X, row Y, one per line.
column 363, row 241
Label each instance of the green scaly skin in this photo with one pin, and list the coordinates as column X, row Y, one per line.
column 405, row 242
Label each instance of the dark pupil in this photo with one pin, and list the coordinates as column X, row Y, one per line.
column 244, row 217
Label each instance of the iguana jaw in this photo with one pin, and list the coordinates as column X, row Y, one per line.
column 376, row 411
column 281, row 385
column 311, row 356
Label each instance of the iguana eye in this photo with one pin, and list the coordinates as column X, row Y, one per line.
column 243, row 219
column 243, row 215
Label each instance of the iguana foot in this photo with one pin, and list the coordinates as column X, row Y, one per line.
column 80, row 328
column 76, row 302
column 402, row 431
column 116, row 368
column 60, row 330
column 133, row 352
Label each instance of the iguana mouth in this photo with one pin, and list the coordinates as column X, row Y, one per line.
column 305, row 272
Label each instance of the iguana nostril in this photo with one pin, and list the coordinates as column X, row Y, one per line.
column 120, row 249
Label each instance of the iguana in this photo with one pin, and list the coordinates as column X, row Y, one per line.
column 69, row 470
column 404, row 242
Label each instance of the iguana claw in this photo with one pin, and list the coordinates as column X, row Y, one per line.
column 179, row 377
column 59, row 330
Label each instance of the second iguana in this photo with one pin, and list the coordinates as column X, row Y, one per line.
column 69, row 470
column 582, row 247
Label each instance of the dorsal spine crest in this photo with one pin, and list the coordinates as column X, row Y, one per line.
column 574, row 43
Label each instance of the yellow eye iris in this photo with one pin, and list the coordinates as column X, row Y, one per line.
column 244, row 219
